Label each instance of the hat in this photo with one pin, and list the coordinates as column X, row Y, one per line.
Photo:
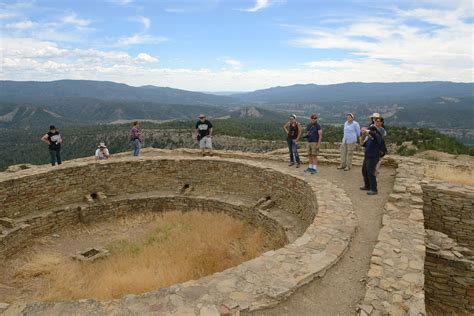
column 375, row 114
column 352, row 115
column 52, row 127
column 102, row 145
column 293, row 116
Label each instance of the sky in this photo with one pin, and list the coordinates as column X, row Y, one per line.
column 237, row 45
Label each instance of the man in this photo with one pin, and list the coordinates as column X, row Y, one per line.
column 314, row 134
column 293, row 132
column 371, row 158
column 204, row 135
column 135, row 137
column 53, row 139
column 102, row 153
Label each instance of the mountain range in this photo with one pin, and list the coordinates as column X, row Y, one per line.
column 436, row 104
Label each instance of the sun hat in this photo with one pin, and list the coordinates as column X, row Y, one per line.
column 374, row 115
column 352, row 115
column 102, row 145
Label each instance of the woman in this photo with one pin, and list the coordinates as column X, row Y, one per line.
column 349, row 141
column 135, row 137
column 293, row 132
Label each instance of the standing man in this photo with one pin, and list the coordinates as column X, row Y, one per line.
column 314, row 134
column 349, row 141
column 53, row 139
column 135, row 137
column 204, row 135
column 293, row 132
column 371, row 158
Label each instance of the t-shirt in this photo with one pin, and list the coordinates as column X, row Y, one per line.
column 293, row 131
column 54, row 140
column 102, row 154
column 312, row 131
column 203, row 127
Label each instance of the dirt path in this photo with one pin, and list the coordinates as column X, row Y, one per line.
column 343, row 286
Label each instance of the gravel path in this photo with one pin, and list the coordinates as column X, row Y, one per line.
column 343, row 286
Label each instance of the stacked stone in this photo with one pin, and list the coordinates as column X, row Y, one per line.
column 396, row 276
column 258, row 283
column 449, row 275
column 449, row 208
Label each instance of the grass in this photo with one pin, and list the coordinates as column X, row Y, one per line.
column 458, row 175
column 179, row 247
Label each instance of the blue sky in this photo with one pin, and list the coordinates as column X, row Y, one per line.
column 217, row 45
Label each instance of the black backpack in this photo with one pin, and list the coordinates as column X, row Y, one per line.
column 382, row 149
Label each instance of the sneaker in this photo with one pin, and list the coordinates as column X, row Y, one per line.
column 291, row 164
column 347, row 169
column 298, row 165
column 364, row 189
column 313, row 171
column 340, row 167
column 308, row 169
column 371, row 192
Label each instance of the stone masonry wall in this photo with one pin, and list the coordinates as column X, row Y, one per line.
column 449, row 208
column 50, row 221
column 39, row 190
column 449, row 276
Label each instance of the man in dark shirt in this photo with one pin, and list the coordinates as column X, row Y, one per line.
column 314, row 134
column 53, row 139
column 371, row 158
column 204, row 134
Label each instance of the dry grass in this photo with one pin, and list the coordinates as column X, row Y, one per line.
column 461, row 175
column 180, row 247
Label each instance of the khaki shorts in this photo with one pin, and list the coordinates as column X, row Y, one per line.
column 205, row 143
column 312, row 150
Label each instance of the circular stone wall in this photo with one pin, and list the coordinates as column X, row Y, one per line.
column 36, row 201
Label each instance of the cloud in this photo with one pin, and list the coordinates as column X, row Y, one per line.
column 235, row 64
column 145, row 58
column 74, row 20
column 145, row 21
column 121, row 2
column 23, row 25
column 140, row 38
column 262, row 4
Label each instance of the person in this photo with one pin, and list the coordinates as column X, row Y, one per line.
column 351, row 133
column 204, row 135
column 314, row 134
column 54, row 140
column 135, row 137
column 379, row 124
column 102, row 153
column 293, row 131
column 371, row 158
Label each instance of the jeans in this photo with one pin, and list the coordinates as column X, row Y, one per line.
column 368, row 172
column 293, row 149
column 136, row 147
column 347, row 151
column 55, row 157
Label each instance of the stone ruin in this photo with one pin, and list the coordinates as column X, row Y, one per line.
column 422, row 263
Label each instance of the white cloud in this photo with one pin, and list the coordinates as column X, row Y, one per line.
column 121, row 2
column 22, row 25
column 234, row 63
column 74, row 20
column 140, row 38
column 145, row 58
column 262, row 4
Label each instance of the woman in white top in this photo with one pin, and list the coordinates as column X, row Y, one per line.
column 349, row 141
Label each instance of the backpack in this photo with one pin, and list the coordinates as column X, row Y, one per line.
column 383, row 149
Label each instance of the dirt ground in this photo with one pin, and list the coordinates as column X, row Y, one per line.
column 343, row 286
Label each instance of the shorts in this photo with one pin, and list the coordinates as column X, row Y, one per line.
column 205, row 142
column 312, row 150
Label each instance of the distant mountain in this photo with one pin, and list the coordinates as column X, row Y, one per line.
column 356, row 91
column 32, row 91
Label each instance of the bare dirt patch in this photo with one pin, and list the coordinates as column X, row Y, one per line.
column 147, row 252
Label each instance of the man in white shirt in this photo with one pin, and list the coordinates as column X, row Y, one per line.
column 102, row 153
